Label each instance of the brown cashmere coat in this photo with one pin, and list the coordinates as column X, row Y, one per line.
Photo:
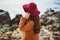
column 28, row 29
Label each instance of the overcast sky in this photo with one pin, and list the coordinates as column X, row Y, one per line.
column 15, row 6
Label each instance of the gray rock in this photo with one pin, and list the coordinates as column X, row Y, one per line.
column 51, row 20
column 4, row 17
column 16, row 19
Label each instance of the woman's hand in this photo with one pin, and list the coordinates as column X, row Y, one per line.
column 27, row 15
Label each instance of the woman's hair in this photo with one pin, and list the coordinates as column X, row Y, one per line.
column 37, row 24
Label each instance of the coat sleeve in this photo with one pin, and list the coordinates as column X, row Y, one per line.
column 26, row 27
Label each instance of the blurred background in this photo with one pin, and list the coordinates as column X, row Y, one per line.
column 15, row 6
column 11, row 11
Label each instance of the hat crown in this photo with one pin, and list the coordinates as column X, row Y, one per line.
column 32, row 6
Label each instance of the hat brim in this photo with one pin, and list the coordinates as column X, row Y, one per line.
column 26, row 7
column 32, row 12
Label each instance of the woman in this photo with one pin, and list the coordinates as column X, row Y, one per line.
column 30, row 23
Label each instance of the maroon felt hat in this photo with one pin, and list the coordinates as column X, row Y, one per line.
column 31, row 8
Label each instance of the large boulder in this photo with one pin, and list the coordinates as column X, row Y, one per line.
column 15, row 21
column 4, row 17
column 4, row 21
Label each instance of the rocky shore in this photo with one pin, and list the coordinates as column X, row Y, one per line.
column 8, row 26
column 50, row 22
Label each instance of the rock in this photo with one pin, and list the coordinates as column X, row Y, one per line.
column 1, row 10
column 51, row 20
column 5, row 28
column 16, row 19
column 16, row 34
column 6, row 36
column 14, row 27
column 4, row 17
column 56, row 36
column 7, row 25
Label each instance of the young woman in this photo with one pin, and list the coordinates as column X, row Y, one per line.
column 30, row 23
